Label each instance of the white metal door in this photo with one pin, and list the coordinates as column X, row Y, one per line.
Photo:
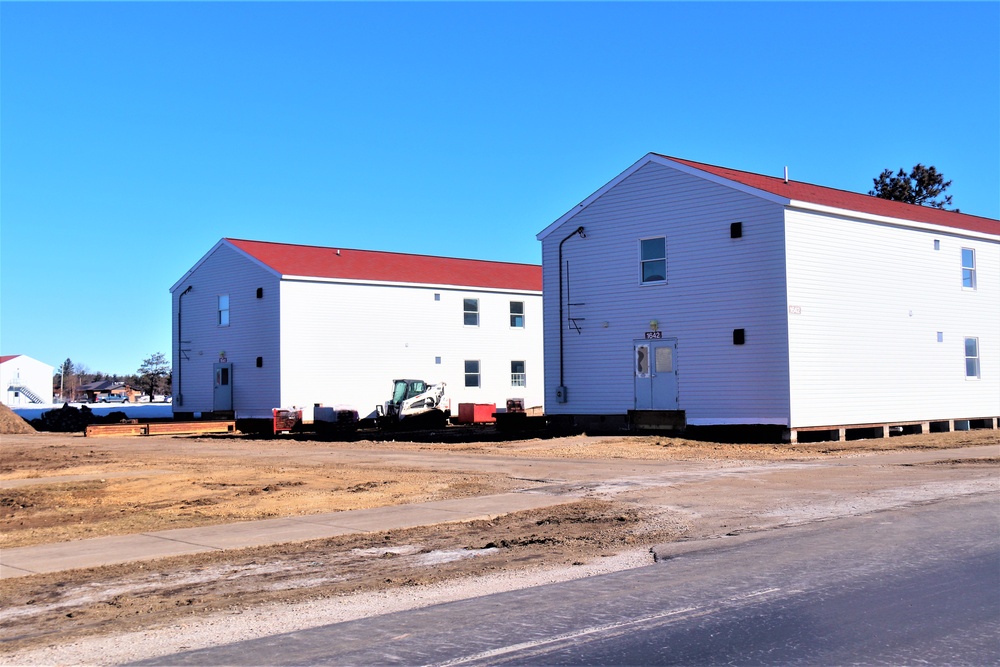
column 223, row 395
column 656, row 374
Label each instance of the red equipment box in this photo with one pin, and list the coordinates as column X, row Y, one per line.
column 476, row 413
column 286, row 420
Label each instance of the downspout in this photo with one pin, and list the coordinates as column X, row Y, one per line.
column 561, row 390
column 180, row 349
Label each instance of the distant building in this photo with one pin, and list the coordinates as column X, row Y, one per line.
column 109, row 391
column 25, row 381
column 260, row 325
column 729, row 298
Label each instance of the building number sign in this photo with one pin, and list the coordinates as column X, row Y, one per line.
column 654, row 334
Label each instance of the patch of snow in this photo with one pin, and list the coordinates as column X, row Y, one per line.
column 131, row 410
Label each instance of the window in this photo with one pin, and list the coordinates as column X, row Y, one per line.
column 437, row 296
column 517, row 314
column 471, row 308
column 972, row 357
column 968, row 268
column 471, row 373
column 653, row 260
column 437, row 361
column 517, row 375
column 224, row 310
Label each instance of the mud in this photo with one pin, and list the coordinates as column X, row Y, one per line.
column 632, row 493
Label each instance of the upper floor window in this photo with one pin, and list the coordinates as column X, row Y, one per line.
column 653, row 260
column 223, row 310
column 972, row 357
column 517, row 314
column 471, row 308
column 518, row 378
column 968, row 268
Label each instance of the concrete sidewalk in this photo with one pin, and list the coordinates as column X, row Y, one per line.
column 25, row 561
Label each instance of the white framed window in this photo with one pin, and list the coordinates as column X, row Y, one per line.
column 223, row 310
column 968, row 268
column 518, row 378
column 472, row 378
column 972, row 358
column 470, row 308
column 517, row 314
column 653, row 260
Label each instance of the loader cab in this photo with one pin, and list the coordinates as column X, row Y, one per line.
column 406, row 389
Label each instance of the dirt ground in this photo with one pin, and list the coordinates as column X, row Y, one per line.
column 59, row 487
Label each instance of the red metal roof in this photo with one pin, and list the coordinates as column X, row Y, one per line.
column 322, row 262
column 9, row 357
column 851, row 201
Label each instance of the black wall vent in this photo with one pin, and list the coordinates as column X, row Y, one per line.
column 736, row 230
column 260, row 292
column 260, row 362
column 739, row 336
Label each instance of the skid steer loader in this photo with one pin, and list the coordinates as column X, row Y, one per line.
column 415, row 404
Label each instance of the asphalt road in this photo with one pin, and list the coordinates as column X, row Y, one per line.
column 915, row 585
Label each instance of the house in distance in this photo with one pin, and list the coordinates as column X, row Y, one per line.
column 260, row 325
column 683, row 292
column 24, row 380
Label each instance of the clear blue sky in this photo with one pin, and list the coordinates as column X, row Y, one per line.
column 135, row 136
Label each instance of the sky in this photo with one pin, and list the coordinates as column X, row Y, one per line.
column 134, row 136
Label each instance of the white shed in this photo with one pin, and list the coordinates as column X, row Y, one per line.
column 734, row 298
column 260, row 325
column 25, row 381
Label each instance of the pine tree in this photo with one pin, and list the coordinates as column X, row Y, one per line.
column 922, row 186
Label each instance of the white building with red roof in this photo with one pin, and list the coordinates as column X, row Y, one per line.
column 25, row 381
column 718, row 297
column 259, row 325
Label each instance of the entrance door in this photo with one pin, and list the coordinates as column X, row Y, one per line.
column 656, row 374
column 223, row 396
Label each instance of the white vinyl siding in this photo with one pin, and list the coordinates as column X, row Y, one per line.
column 745, row 289
column 254, row 333
column 338, row 348
column 871, row 300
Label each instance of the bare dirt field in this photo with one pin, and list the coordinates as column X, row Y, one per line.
column 629, row 493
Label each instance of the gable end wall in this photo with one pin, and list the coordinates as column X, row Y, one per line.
column 715, row 284
column 253, row 332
